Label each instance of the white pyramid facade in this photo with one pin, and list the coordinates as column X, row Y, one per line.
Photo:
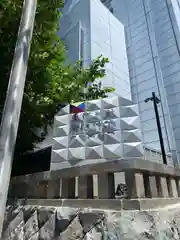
column 107, row 129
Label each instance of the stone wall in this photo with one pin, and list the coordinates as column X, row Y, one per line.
column 143, row 179
column 65, row 223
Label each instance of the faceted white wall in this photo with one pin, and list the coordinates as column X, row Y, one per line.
column 89, row 30
column 108, row 38
column 73, row 16
column 108, row 129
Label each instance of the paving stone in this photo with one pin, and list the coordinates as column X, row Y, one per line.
column 93, row 236
column 89, row 219
column 43, row 214
column 19, row 233
column 31, row 226
column 11, row 212
column 14, row 227
column 74, row 231
column 64, row 216
column 35, row 236
column 47, row 231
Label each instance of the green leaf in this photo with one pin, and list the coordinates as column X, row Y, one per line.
column 49, row 81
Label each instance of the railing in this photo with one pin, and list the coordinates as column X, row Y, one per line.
column 143, row 179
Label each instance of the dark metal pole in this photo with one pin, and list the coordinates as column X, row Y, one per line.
column 12, row 107
column 154, row 98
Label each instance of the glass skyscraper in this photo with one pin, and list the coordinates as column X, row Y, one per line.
column 148, row 32
column 153, row 45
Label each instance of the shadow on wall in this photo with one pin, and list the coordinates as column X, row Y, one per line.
column 32, row 162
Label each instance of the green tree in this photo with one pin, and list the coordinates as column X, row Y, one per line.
column 49, row 81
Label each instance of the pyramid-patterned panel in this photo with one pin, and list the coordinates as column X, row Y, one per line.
column 59, row 155
column 112, row 113
column 60, row 143
column 130, row 123
column 131, row 136
column 131, row 150
column 94, row 152
column 129, row 111
column 76, row 153
column 61, row 131
column 61, row 120
column 113, row 151
column 64, row 111
column 99, row 129
column 77, row 141
column 93, row 105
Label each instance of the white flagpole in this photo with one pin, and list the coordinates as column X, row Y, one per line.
column 13, row 102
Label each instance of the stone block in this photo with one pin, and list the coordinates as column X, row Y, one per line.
column 131, row 204
column 172, row 187
column 156, row 203
column 93, row 236
column 162, row 187
column 47, row 231
column 93, row 203
column 14, row 228
column 85, row 186
column 150, row 186
column 34, row 237
column 106, row 186
column 32, row 189
column 68, row 187
column 135, row 185
column 178, row 186
column 90, row 219
column 53, row 189
column 95, row 186
column 73, row 231
column 31, row 226
column 41, row 189
column 153, row 186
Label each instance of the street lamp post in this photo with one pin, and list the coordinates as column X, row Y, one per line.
column 155, row 101
column 13, row 102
